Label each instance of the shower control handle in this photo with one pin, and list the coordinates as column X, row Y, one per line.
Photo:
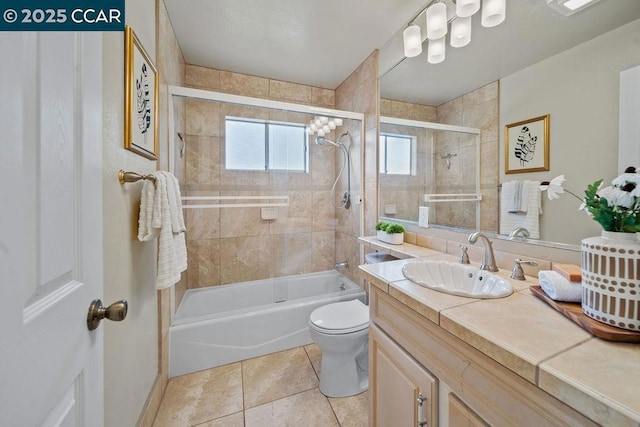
column 116, row 312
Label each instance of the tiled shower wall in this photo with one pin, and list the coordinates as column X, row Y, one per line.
column 478, row 109
column 359, row 93
column 229, row 245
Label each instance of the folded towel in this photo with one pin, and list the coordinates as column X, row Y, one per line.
column 161, row 216
column 558, row 288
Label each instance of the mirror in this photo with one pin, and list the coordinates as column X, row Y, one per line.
column 516, row 72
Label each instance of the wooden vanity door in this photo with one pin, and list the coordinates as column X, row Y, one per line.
column 396, row 384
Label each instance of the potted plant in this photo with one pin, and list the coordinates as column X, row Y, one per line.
column 609, row 262
column 390, row 232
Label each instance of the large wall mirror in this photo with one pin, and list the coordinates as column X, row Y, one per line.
column 536, row 63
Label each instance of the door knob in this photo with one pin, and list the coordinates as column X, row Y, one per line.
column 116, row 312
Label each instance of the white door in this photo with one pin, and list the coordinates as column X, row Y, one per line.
column 51, row 228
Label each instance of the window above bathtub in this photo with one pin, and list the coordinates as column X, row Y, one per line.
column 397, row 155
column 265, row 145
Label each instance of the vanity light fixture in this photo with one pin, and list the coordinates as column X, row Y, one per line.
column 460, row 13
column 460, row 32
column 436, row 21
column 569, row 7
column 436, row 51
column 467, row 8
column 493, row 12
column 322, row 125
column 412, row 39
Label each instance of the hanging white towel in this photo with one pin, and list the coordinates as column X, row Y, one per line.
column 516, row 196
column 161, row 216
column 529, row 219
column 559, row 288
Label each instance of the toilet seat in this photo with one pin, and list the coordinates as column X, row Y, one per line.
column 340, row 318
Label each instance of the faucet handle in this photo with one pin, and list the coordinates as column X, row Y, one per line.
column 464, row 256
column 517, row 272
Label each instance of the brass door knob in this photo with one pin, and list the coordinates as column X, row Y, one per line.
column 116, row 312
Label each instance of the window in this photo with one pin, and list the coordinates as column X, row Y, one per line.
column 396, row 154
column 260, row 145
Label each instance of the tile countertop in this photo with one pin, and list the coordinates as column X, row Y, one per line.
column 600, row 379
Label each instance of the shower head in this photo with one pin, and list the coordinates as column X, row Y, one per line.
column 321, row 140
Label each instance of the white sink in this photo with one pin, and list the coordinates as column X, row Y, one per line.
column 457, row 279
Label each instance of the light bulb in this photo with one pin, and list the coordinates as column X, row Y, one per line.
column 338, row 122
column 437, row 21
column 310, row 131
column 320, row 132
column 326, row 129
column 332, row 124
column 313, row 126
column 466, row 8
column 323, row 119
column 436, row 51
column 460, row 32
column 318, row 122
column 493, row 12
column 412, row 41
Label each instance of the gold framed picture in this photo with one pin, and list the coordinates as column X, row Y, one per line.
column 140, row 100
column 527, row 145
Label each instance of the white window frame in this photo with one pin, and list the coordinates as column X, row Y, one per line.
column 412, row 153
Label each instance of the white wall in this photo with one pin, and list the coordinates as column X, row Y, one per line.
column 131, row 346
column 579, row 88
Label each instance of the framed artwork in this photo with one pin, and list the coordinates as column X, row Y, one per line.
column 527, row 145
column 141, row 99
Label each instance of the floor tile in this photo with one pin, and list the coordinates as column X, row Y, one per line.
column 196, row 398
column 310, row 408
column 233, row 420
column 315, row 355
column 351, row 411
column 276, row 375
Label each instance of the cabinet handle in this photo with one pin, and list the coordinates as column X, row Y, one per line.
column 420, row 400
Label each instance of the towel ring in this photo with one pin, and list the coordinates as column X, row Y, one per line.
column 133, row 177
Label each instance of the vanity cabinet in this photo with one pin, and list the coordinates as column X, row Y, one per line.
column 472, row 388
column 402, row 392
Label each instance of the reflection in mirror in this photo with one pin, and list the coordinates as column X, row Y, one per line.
column 432, row 166
column 578, row 86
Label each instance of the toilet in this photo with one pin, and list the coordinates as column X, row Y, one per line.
column 341, row 332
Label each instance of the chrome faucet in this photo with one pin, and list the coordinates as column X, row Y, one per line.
column 519, row 231
column 488, row 258
column 343, row 264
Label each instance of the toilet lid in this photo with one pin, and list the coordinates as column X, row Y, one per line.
column 341, row 315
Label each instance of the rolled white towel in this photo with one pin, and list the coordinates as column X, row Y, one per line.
column 559, row 288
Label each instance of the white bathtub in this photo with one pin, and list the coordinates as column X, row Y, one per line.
column 224, row 324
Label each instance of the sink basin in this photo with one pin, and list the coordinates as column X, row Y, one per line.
column 457, row 279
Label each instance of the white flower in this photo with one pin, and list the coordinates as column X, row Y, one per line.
column 616, row 197
column 631, row 180
column 554, row 187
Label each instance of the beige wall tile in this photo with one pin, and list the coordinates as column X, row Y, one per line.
column 323, row 244
column 289, row 91
column 245, row 258
column 291, row 253
column 202, row 160
column 202, row 77
column 203, row 118
column 203, row 257
column 244, row 84
column 323, row 97
column 239, row 222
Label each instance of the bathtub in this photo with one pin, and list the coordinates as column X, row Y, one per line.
column 224, row 324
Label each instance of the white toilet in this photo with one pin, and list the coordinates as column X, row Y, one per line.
column 341, row 331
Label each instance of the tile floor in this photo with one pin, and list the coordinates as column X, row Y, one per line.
column 279, row 389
